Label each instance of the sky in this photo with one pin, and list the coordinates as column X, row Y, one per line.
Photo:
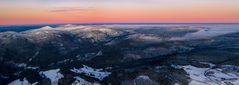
column 118, row 11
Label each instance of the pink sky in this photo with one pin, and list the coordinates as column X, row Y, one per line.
column 113, row 11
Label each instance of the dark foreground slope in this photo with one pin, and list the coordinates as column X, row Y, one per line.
column 126, row 55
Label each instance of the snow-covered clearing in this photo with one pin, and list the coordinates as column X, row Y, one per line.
column 53, row 75
column 95, row 73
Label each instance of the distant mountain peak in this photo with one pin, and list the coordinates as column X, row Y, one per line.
column 46, row 28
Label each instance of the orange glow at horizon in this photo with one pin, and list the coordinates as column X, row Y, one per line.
column 112, row 11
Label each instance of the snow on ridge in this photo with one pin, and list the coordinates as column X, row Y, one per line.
column 68, row 25
column 147, row 37
column 46, row 28
column 81, row 28
column 95, row 73
column 144, row 37
column 54, row 75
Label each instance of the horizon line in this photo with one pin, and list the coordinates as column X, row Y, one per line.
column 101, row 23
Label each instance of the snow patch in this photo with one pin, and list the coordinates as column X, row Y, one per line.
column 21, row 65
column 99, row 53
column 95, row 73
column 223, row 75
column 81, row 81
column 36, row 83
column 143, row 77
column 53, row 75
column 140, row 80
column 176, row 66
column 37, row 53
column 210, row 64
column 34, row 68
column 20, row 82
column 3, row 76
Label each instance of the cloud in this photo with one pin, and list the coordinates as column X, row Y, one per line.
column 72, row 9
